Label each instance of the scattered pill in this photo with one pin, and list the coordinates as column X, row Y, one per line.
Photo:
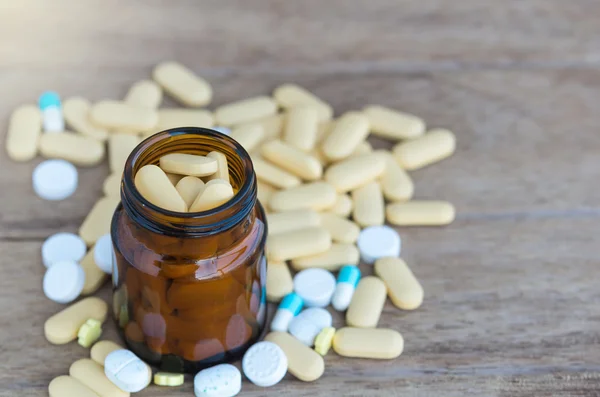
column 293, row 160
column 112, row 185
column 63, row 281
column 97, row 222
column 62, row 247
column 430, row 148
column 66, row 386
column 94, row 276
column 367, row 303
column 403, row 288
column 324, row 340
column 51, row 109
column 168, row 379
column 103, row 254
column 245, row 110
column 120, row 147
column 392, row 124
column 279, row 281
column 292, row 95
column 77, row 115
column 264, row 364
column 91, row 374
column 376, row 242
column 127, row 371
column 265, row 191
column 368, row 205
column 24, row 130
column 348, row 132
column 188, row 164
column 273, row 175
column 335, row 257
column 174, row 118
column 317, row 196
column 342, row 206
column 89, row 332
column 396, row 184
column 144, row 93
column 189, row 188
column 363, row 148
column 154, row 186
column 347, row 281
column 272, row 125
column 378, row 343
column 248, row 135
column 298, row 243
column 306, row 326
column 215, row 192
column 290, row 306
column 182, row 84
column 355, row 172
column 62, row 327
column 341, row 229
column 78, row 149
column 102, row 349
column 420, row 213
column 315, row 287
column 124, row 117
column 222, row 168
column 303, row 362
column 223, row 380
column 301, row 127
column 282, row 222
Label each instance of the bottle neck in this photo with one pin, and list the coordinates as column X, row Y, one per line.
column 199, row 141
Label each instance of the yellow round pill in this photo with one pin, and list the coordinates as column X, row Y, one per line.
column 323, row 340
column 168, row 379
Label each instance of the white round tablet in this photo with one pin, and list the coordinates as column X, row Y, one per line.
column 315, row 286
column 62, row 247
column 223, row 380
column 103, row 253
column 316, row 315
column 54, row 179
column 376, row 242
column 304, row 330
column 63, row 281
column 265, row 364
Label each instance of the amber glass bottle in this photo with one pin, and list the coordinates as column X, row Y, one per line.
column 189, row 288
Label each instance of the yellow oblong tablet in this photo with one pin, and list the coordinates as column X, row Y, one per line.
column 24, row 130
column 341, row 229
column 188, row 164
column 355, row 172
column 333, row 259
column 174, row 118
column 91, row 374
column 292, row 159
column 222, row 167
column 317, row 196
column 301, row 127
column 144, row 93
column 78, row 149
column 367, row 303
column 368, row 205
column 272, row 125
column 292, row 95
column 303, row 362
column 62, row 327
column 216, row 192
column 123, row 116
column 298, row 243
column 392, row 124
column 155, row 186
column 273, row 175
column 97, row 222
column 265, row 191
column 102, row 349
column 245, row 111
column 66, row 386
column 183, row 84
column 120, row 147
column 189, row 188
column 430, row 148
column 279, row 281
column 76, row 111
column 94, row 276
column 248, row 135
column 396, row 184
column 377, row 343
column 420, row 213
column 281, row 222
column 342, row 206
column 404, row 289
column 112, row 185
column 347, row 133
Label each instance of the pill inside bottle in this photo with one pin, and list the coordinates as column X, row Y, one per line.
column 189, row 287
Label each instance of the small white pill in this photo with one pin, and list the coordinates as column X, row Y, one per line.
column 127, row 371
column 223, row 380
column 315, row 287
column 306, row 326
column 376, row 242
column 265, row 364
column 63, row 247
column 103, row 253
column 63, row 281
column 54, row 179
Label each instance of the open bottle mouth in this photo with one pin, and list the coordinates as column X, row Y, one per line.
column 190, row 140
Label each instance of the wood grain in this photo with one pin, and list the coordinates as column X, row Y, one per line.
column 512, row 302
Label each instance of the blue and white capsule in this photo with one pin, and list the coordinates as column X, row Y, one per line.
column 52, row 115
column 290, row 306
column 344, row 290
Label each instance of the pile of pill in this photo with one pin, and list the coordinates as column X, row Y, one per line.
column 327, row 194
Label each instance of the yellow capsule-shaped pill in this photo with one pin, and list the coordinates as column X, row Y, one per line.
column 293, row 160
column 188, row 164
column 102, row 349
column 317, row 196
column 189, row 188
column 66, row 386
column 62, row 327
column 245, row 111
column 430, row 148
column 24, row 130
column 404, row 289
column 342, row 206
column 396, row 184
column 172, row 118
column 94, row 276
column 216, row 192
column 183, row 84
column 292, row 95
column 420, row 213
column 123, row 116
column 97, row 221
column 355, row 172
column 222, row 167
column 154, row 185
column 303, row 362
column 279, row 281
column 120, row 147
column 368, row 205
column 76, row 111
column 273, row 175
column 249, row 135
column 333, row 259
column 144, row 93
column 91, row 374
column 78, row 149
column 392, row 124
column 342, row 230
column 367, row 303
column 281, row 222
column 348, row 132
column 301, row 127
column 377, row 343
column 298, row 243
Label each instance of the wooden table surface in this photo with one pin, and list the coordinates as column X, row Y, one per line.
column 512, row 303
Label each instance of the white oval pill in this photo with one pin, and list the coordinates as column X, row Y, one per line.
column 63, row 281
column 376, row 242
column 62, row 247
column 306, row 326
column 55, row 179
column 265, row 364
column 315, row 287
column 223, row 380
column 103, row 253
column 127, row 371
